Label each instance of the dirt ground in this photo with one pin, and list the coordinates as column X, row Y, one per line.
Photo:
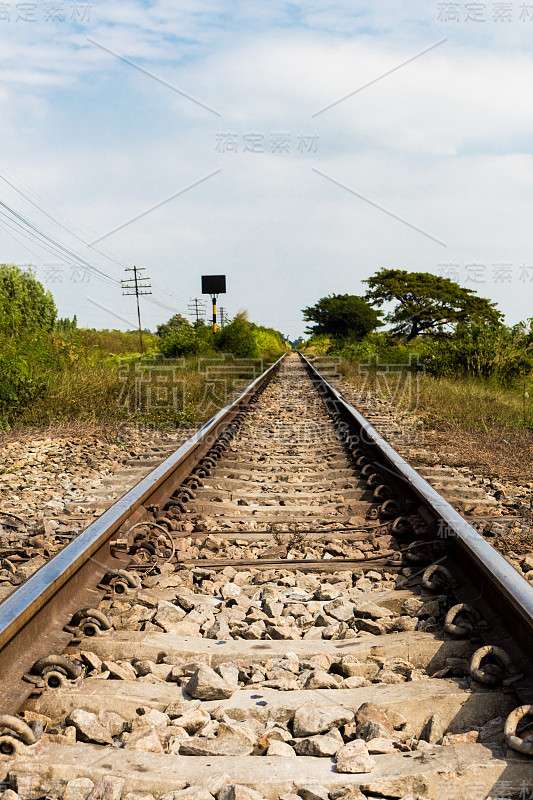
column 503, row 455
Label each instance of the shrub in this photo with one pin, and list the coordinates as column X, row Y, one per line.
column 270, row 343
column 104, row 342
column 238, row 338
column 29, row 365
column 501, row 353
column 184, row 341
column 379, row 348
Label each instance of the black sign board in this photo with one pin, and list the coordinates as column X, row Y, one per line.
column 213, row 284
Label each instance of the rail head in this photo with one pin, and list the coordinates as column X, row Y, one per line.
column 32, row 595
column 497, row 572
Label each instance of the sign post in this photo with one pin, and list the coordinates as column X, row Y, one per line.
column 214, row 285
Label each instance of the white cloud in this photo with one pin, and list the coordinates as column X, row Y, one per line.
column 443, row 143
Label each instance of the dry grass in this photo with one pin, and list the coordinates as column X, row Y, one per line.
column 107, row 394
column 87, row 394
column 501, row 454
column 71, row 429
column 472, row 405
column 468, row 422
column 442, row 403
column 118, row 342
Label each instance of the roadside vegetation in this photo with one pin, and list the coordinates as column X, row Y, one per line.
column 53, row 373
column 473, row 373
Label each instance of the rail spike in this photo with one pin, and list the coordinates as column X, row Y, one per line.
column 16, row 735
column 437, row 578
column 120, row 580
column 462, row 620
column 499, row 665
column 89, row 621
column 514, row 741
column 53, row 672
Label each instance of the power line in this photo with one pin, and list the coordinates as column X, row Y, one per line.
column 55, row 243
column 44, row 201
column 162, row 305
column 74, row 262
column 51, row 245
column 6, row 228
column 53, row 206
column 57, row 222
column 58, row 250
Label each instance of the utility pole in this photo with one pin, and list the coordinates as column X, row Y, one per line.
column 222, row 315
column 137, row 288
column 197, row 307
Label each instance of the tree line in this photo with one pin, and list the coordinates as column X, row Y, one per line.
column 244, row 339
column 426, row 304
column 38, row 351
column 452, row 328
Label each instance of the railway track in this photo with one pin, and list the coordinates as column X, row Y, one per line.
column 273, row 612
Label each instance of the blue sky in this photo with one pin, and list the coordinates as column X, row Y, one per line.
column 427, row 168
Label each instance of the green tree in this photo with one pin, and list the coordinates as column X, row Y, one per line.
column 238, row 337
column 27, row 318
column 174, row 324
column 343, row 316
column 25, row 305
column 183, row 341
column 428, row 304
column 65, row 325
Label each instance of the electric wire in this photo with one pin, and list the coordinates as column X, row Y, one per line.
column 29, row 235
column 26, row 223
column 69, row 230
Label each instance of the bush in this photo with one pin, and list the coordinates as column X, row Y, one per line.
column 270, row 343
column 379, row 348
column 241, row 338
column 28, row 367
column 112, row 341
column 238, row 338
column 479, row 379
column 319, row 345
column 500, row 353
column 27, row 349
column 184, row 341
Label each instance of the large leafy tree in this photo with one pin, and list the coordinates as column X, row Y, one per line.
column 428, row 304
column 343, row 316
column 25, row 305
column 27, row 315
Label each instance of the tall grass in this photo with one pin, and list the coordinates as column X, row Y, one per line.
column 442, row 403
column 143, row 391
column 113, row 342
column 88, row 393
column 472, row 404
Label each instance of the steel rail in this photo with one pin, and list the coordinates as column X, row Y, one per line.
column 498, row 582
column 31, row 618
